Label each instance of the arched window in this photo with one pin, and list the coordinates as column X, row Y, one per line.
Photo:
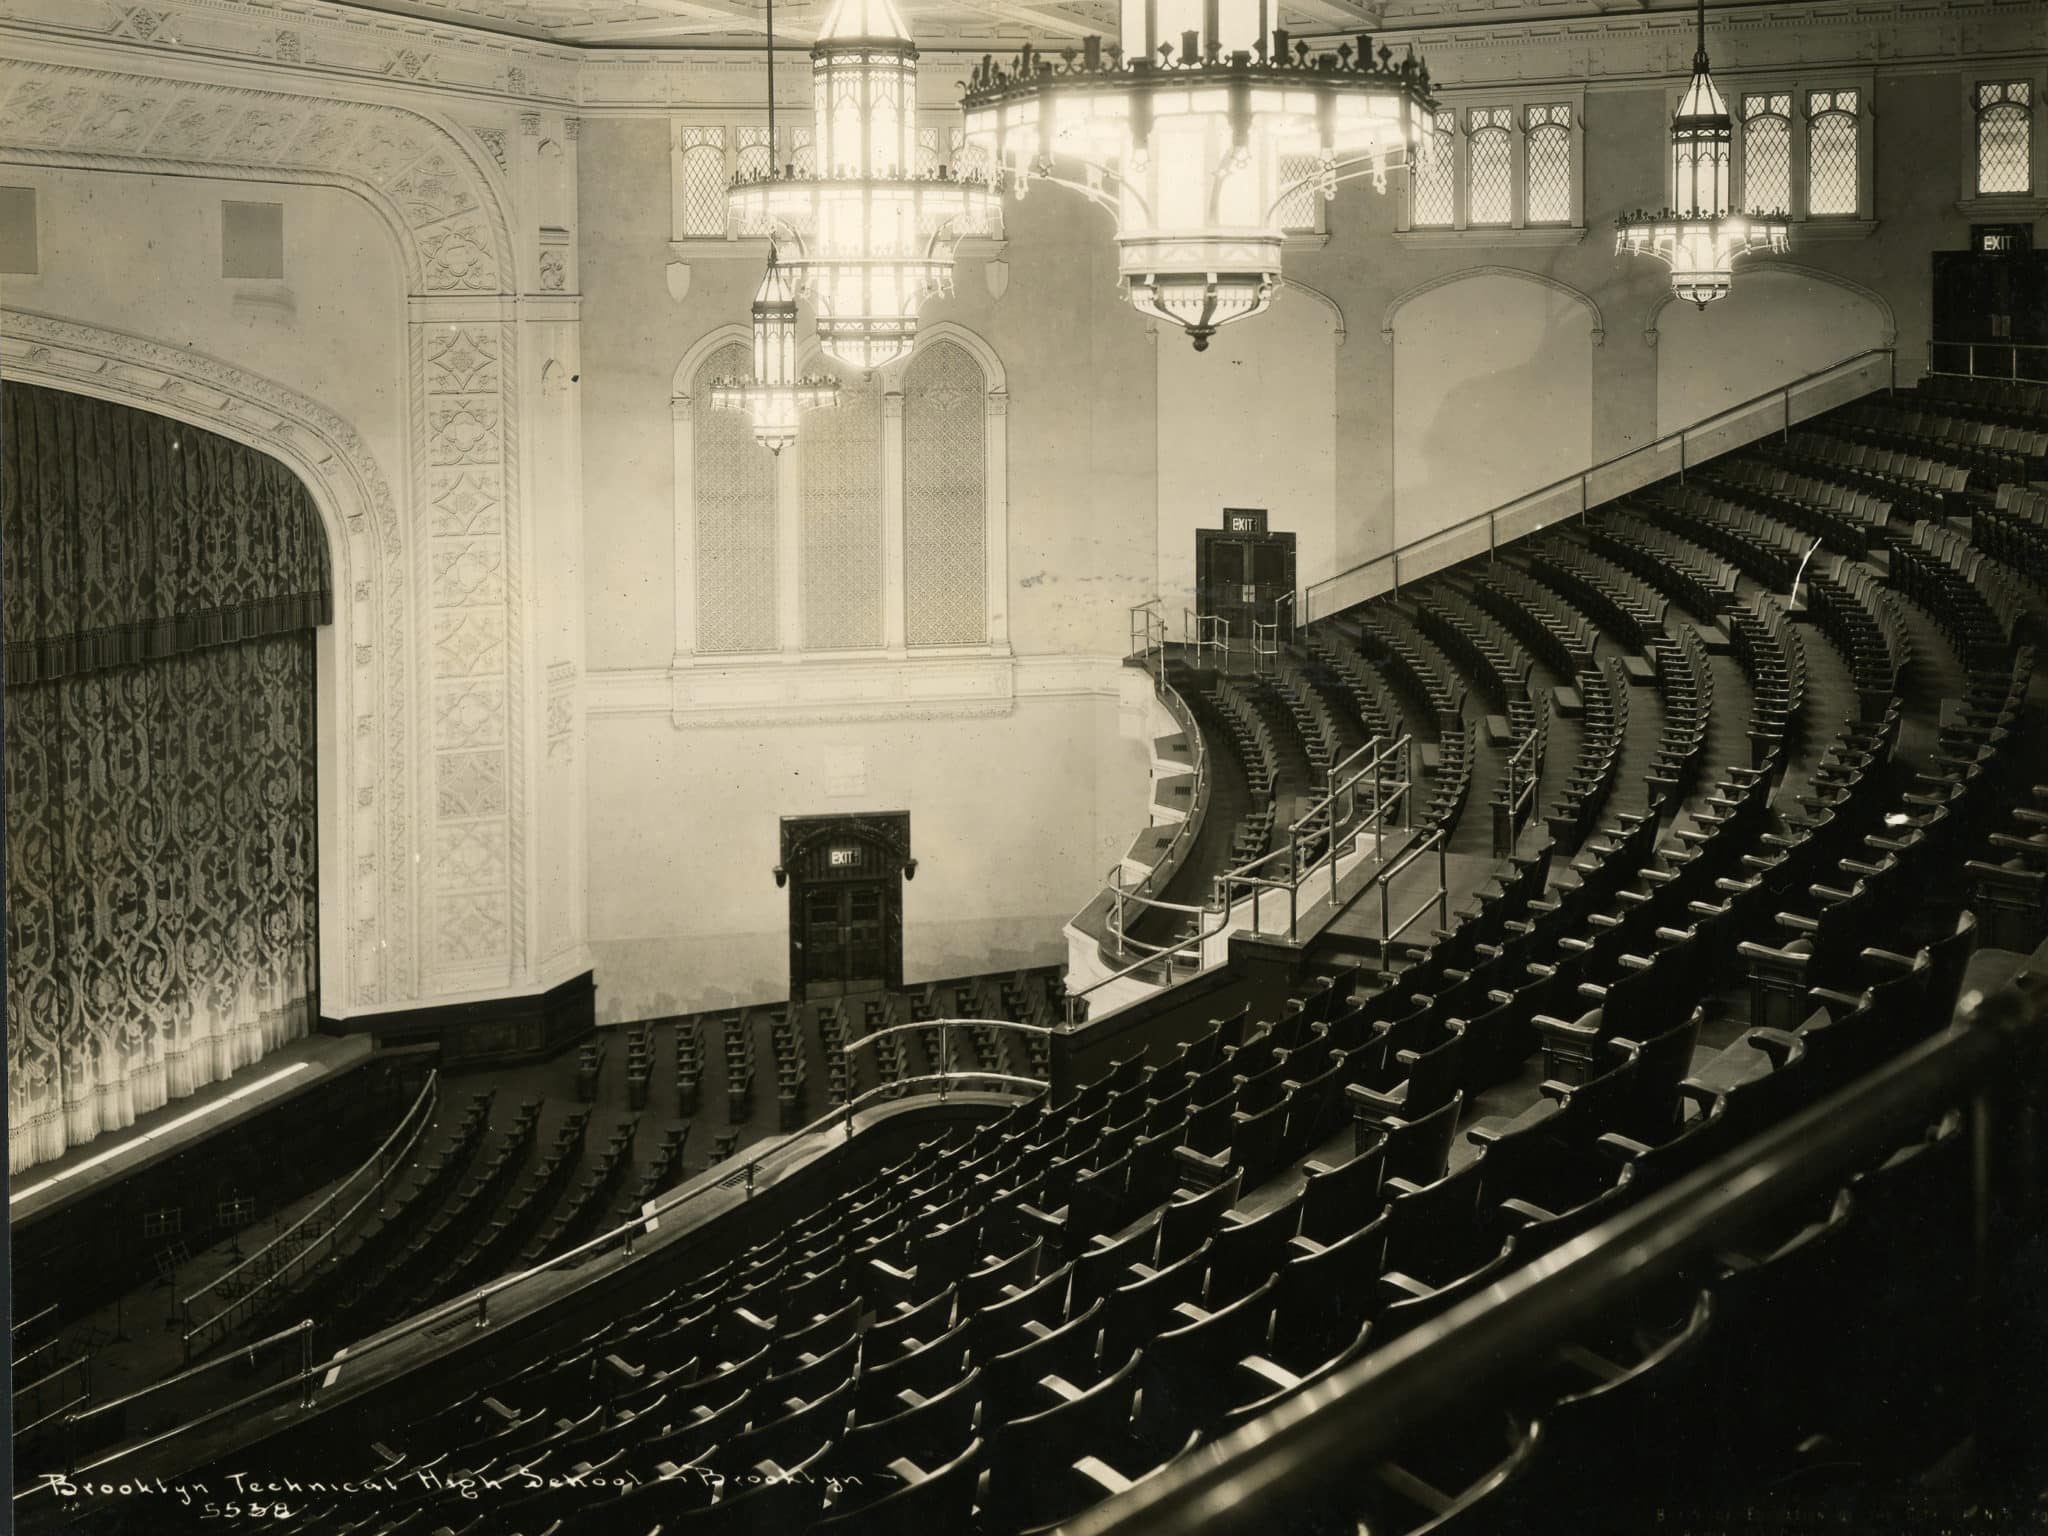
column 1767, row 152
column 945, row 497
column 842, row 501
column 2005, row 137
column 1492, row 151
column 1831, row 152
column 1436, row 173
column 735, row 515
column 1549, row 147
column 704, row 183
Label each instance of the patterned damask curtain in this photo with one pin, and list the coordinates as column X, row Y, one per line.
column 128, row 535
column 162, row 890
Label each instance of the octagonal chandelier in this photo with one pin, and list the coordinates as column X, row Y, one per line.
column 1700, row 237
column 775, row 396
column 866, row 235
column 1195, row 134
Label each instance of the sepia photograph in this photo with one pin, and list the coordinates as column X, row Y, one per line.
column 993, row 767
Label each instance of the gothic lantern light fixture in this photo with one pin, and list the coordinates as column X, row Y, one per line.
column 866, row 234
column 775, row 396
column 1700, row 236
column 1195, row 134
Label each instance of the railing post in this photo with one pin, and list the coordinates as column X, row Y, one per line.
column 1786, row 435
column 750, row 1178
column 1681, row 456
column 945, row 1063
column 306, row 1363
column 1443, row 882
column 483, row 1309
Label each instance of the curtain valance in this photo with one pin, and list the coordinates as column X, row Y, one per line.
column 128, row 536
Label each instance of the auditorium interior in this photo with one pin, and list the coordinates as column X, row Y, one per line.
column 965, row 767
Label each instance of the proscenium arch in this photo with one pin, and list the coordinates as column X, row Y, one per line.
column 1522, row 274
column 362, row 834
column 1790, row 269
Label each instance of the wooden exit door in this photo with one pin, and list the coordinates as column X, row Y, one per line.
column 843, row 939
column 1989, row 310
column 1242, row 571
column 845, row 876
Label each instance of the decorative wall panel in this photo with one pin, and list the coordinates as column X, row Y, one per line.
column 945, row 498
column 842, row 522
column 735, row 518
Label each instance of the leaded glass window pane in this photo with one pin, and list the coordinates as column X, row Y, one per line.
column 1831, row 153
column 1435, row 179
column 803, row 154
column 945, row 498
column 1492, row 176
column 927, row 151
column 734, row 483
column 1297, row 210
column 756, row 157
column 841, row 450
column 704, row 191
column 1767, row 153
column 2005, row 137
column 1550, row 165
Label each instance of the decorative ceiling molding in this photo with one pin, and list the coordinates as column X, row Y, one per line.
column 1520, row 274
column 1766, row 268
column 367, row 540
column 627, row 55
column 426, row 181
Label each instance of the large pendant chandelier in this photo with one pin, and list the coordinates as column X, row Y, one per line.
column 1700, row 237
column 775, row 396
column 866, row 235
column 1195, row 137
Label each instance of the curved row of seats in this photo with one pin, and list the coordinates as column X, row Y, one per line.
column 1010, row 1325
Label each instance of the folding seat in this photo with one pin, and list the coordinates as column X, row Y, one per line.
column 1325, row 1294
column 1011, row 1367
column 925, row 1368
column 1004, row 1277
column 1247, row 1249
column 1025, row 1453
column 941, row 1499
column 1337, row 1200
column 815, row 1376
column 1183, row 1382
column 1189, row 1218
column 1443, row 1478
column 1046, row 1301
column 1137, row 1310
column 1434, row 1075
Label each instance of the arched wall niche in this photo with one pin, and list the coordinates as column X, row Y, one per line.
column 1778, row 323
column 1493, row 392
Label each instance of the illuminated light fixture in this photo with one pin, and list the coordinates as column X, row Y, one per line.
column 866, row 235
column 1195, row 137
column 1700, row 237
column 775, row 396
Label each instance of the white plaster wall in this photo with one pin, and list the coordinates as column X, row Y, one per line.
column 1493, row 397
column 1014, row 821
column 142, row 254
column 1772, row 328
column 1251, row 422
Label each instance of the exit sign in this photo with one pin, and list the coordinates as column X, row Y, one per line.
column 844, row 858
column 2002, row 239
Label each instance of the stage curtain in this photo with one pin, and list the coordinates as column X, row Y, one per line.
column 162, row 883
column 127, row 535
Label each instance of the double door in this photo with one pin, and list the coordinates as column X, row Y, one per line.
column 1991, row 313
column 1241, row 579
column 844, row 933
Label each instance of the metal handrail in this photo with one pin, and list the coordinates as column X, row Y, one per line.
column 1440, row 898
column 1310, row 1444
column 1202, row 937
column 1389, row 796
column 32, row 1319
column 2015, row 348
column 1196, row 630
column 428, row 1094
column 1580, row 478
column 475, row 1304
